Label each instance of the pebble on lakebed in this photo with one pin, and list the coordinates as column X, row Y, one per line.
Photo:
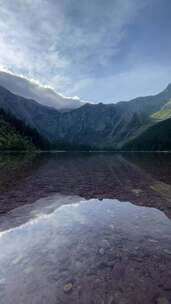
column 101, row 251
column 68, row 287
column 167, row 251
column 162, row 300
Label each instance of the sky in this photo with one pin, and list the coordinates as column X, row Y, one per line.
column 98, row 50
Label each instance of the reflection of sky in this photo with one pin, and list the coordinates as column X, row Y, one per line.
column 66, row 212
column 31, row 250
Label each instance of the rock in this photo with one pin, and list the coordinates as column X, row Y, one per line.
column 167, row 251
column 152, row 241
column 110, row 263
column 101, row 251
column 105, row 244
column 122, row 301
column 162, row 300
column 111, row 300
column 138, row 259
column 68, row 287
column 137, row 191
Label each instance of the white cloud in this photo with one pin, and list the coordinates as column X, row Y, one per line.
column 59, row 42
column 32, row 89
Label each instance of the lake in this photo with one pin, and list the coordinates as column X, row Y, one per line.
column 85, row 228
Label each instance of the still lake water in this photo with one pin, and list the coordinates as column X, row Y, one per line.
column 85, row 228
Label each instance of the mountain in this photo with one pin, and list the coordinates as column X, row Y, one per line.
column 31, row 90
column 155, row 138
column 16, row 136
column 10, row 139
column 92, row 126
column 164, row 113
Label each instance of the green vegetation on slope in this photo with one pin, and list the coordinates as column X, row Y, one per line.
column 10, row 139
column 15, row 136
column 156, row 138
column 164, row 113
column 90, row 127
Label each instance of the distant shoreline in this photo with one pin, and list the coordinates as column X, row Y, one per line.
column 78, row 151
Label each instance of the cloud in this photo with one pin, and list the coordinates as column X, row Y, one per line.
column 61, row 42
column 32, row 89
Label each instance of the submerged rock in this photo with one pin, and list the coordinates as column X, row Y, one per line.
column 68, row 287
column 101, row 251
column 167, row 251
column 162, row 300
column 105, row 244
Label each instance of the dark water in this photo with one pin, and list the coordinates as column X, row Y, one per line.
column 85, row 228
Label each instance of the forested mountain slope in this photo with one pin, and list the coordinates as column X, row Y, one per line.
column 155, row 138
column 16, row 136
column 95, row 126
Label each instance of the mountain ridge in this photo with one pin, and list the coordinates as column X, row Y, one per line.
column 95, row 126
column 155, row 138
column 44, row 95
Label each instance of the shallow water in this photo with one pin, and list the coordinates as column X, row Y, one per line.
column 83, row 228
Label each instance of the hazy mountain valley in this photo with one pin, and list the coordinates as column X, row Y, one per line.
column 85, row 152
column 121, row 126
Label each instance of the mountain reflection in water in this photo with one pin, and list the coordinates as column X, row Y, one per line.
column 72, row 250
column 77, row 228
column 143, row 179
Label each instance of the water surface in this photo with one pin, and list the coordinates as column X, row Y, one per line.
column 85, row 228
